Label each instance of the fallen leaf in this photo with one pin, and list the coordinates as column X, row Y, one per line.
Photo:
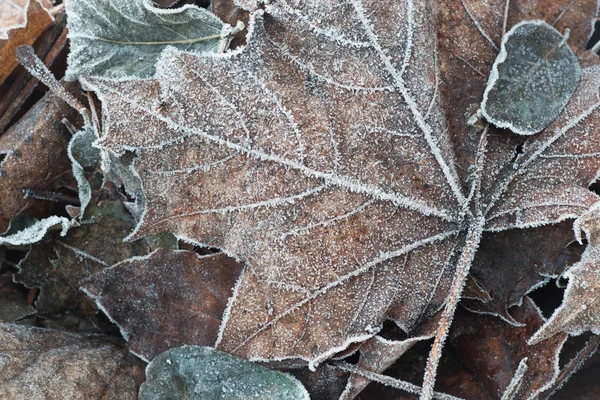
column 203, row 373
column 125, row 38
column 331, row 174
column 580, row 310
column 166, row 299
column 13, row 300
column 493, row 351
column 25, row 32
column 532, row 79
column 34, row 156
column 47, row 364
column 59, row 265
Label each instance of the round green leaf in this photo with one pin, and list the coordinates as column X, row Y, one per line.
column 203, row 373
column 532, row 80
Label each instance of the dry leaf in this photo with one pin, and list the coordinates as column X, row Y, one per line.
column 13, row 300
column 33, row 155
column 47, row 364
column 166, row 299
column 59, row 265
column 580, row 310
column 492, row 351
column 26, row 31
column 331, row 172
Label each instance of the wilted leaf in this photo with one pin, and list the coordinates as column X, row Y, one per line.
column 532, row 79
column 580, row 310
column 202, row 373
column 33, row 155
column 492, row 351
column 166, row 299
column 27, row 30
column 83, row 155
column 331, row 173
column 117, row 38
column 58, row 265
column 46, row 364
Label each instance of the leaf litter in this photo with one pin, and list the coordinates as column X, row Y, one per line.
column 334, row 175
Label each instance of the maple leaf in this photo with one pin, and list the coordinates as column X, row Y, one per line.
column 325, row 163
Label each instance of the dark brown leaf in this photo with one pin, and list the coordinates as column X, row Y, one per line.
column 59, row 265
column 13, row 299
column 33, row 155
column 46, row 364
column 492, row 350
column 166, row 299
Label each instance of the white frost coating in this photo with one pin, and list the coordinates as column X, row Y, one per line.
column 514, row 386
column 449, row 171
column 350, row 184
column 227, row 311
column 36, row 232
column 82, row 253
column 382, row 257
column 478, row 25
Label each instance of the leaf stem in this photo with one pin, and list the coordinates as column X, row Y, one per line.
column 462, row 271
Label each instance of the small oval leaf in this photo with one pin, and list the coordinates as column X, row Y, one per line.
column 203, row 373
column 532, row 79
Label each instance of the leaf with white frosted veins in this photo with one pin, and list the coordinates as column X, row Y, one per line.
column 532, row 80
column 114, row 38
column 203, row 373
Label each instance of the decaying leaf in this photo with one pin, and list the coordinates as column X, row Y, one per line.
column 580, row 310
column 125, row 38
column 203, row 373
column 498, row 355
column 46, row 364
column 26, row 30
column 13, row 302
column 532, row 79
column 166, row 299
column 34, row 156
column 331, row 173
column 59, row 265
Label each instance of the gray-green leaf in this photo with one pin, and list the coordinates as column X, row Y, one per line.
column 203, row 373
column 532, row 80
column 115, row 38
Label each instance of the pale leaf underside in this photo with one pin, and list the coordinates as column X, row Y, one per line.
column 318, row 155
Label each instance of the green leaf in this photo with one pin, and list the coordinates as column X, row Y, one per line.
column 203, row 373
column 533, row 78
column 114, row 38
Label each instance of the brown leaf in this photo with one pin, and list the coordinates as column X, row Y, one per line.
column 13, row 300
column 580, row 310
column 59, row 265
column 46, row 364
column 510, row 263
column 33, row 155
column 26, row 30
column 492, row 351
column 320, row 156
column 166, row 299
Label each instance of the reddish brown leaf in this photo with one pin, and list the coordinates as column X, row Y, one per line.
column 46, row 364
column 27, row 29
column 33, row 155
column 166, row 299
column 331, row 173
